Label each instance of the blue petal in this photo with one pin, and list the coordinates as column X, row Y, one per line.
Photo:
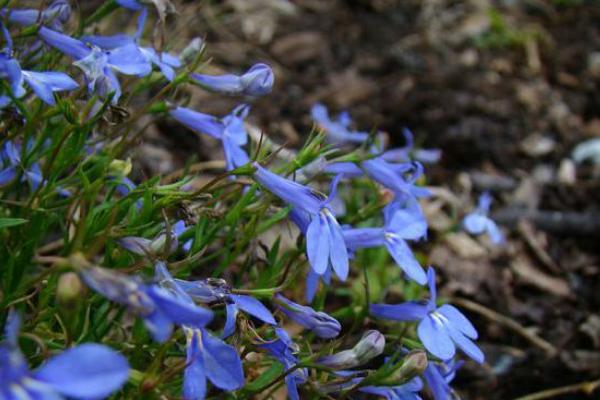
column 458, row 320
column 194, row 378
column 88, row 371
column 108, row 42
column 178, row 311
column 130, row 4
column 231, row 311
column 292, row 387
column 159, row 325
column 235, row 156
column 465, row 344
column 436, row 382
column 317, row 244
column 363, row 237
column 7, row 175
column 66, row 44
column 312, row 284
column 199, row 122
column 494, row 232
column 407, row 225
column 129, row 60
column 229, row 84
column 475, row 223
column 254, row 307
column 436, row 339
column 348, row 169
column 289, row 191
column 409, row 311
column 405, row 259
column 44, row 84
column 338, row 254
column 222, row 363
column 431, row 286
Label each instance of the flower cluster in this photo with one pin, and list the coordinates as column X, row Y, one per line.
column 180, row 284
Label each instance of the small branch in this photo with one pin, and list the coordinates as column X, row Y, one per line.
column 585, row 387
column 510, row 323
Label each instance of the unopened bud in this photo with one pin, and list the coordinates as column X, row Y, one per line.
column 120, row 167
column 69, row 289
column 191, row 51
column 370, row 346
column 413, row 364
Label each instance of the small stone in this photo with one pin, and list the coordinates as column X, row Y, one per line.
column 538, row 145
column 566, row 172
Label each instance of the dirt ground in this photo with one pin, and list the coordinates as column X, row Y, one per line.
column 506, row 89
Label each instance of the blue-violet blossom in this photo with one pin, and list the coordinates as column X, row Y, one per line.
column 440, row 329
column 322, row 324
column 86, row 371
column 478, row 221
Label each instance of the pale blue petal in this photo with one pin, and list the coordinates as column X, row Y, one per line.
column 129, row 60
column 363, row 237
column 494, row 232
column 405, row 259
column 199, row 122
column 465, row 344
column 179, row 311
column 338, row 254
column 409, row 311
column 458, row 320
column 431, row 286
column 407, row 225
column 222, row 363
column 65, row 44
column 194, row 378
column 475, row 223
column 7, row 175
column 231, row 311
column 436, row 339
column 317, row 244
column 88, row 371
column 108, row 42
column 254, row 307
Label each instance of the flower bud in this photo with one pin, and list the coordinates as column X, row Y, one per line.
column 69, row 289
column 191, row 51
column 323, row 325
column 413, row 364
column 370, row 346
column 120, row 167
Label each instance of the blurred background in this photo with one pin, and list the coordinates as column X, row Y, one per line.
column 507, row 89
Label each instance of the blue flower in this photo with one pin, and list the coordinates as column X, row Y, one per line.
column 229, row 130
column 400, row 225
column 99, row 66
column 257, row 81
column 160, row 308
column 44, row 84
column 283, row 350
column 209, row 358
column 11, row 155
column 322, row 324
column 337, row 130
column 54, row 16
column 87, row 371
column 409, row 153
column 166, row 62
column 441, row 329
column 438, row 377
column 324, row 240
column 478, row 221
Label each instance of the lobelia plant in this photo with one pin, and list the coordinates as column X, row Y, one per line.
column 142, row 288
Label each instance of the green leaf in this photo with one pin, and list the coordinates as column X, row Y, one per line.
column 8, row 222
